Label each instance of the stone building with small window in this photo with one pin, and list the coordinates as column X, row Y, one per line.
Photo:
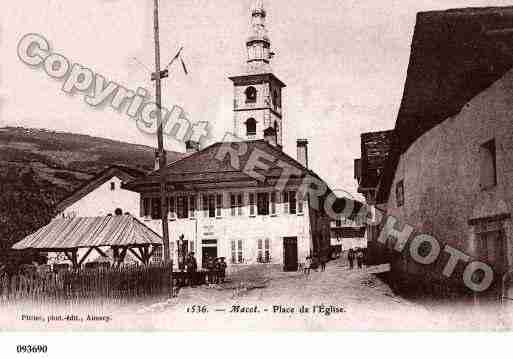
column 229, row 199
column 449, row 173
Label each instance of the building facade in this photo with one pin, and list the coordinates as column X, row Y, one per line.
column 348, row 233
column 103, row 195
column 450, row 174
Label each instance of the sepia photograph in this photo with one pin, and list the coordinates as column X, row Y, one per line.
column 255, row 166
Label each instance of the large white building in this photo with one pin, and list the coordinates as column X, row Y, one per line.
column 229, row 199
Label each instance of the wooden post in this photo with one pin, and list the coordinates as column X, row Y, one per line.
column 137, row 255
column 160, row 136
column 74, row 260
column 85, row 256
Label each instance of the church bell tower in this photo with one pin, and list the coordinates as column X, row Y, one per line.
column 257, row 101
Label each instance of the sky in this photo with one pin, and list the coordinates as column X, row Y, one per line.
column 344, row 63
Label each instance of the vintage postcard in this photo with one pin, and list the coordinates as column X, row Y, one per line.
column 254, row 165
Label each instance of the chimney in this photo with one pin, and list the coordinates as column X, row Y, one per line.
column 302, row 152
column 191, row 146
column 270, row 136
column 157, row 161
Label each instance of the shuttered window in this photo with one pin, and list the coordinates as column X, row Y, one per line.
column 251, row 204
column 237, row 252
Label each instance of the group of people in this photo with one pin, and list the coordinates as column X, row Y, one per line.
column 357, row 254
column 215, row 274
column 308, row 264
column 216, row 270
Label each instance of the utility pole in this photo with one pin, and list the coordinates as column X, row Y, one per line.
column 160, row 136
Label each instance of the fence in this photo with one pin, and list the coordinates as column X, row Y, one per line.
column 121, row 284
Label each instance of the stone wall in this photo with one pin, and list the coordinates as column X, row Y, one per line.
column 441, row 173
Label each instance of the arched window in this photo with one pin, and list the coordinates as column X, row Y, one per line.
column 251, row 127
column 251, row 94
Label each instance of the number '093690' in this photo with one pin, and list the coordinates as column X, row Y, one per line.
column 31, row 349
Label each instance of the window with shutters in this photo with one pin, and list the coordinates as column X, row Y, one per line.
column 237, row 254
column 182, row 207
column 399, row 193
column 219, row 205
column 264, row 251
column 212, row 206
column 267, row 251
column 252, row 204
column 236, row 204
column 285, row 196
column 239, row 204
column 488, row 165
column 273, row 203
column 172, row 208
column 240, row 256
column 234, row 252
column 192, row 206
column 156, row 209
column 300, row 203
column 204, row 201
column 292, row 202
column 263, row 204
column 233, row 205
column 146, row 207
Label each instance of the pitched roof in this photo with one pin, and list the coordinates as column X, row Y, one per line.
column 455, row 55
column 85, row 232
column 122, row 172
column 376, row 147
column 212, row 165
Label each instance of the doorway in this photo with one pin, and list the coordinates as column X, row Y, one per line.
column 290, row 259
column 208, row 250
column 492, row 249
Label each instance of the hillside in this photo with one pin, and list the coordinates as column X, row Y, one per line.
column 38, row 168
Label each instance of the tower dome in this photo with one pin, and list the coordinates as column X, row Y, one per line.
column 258, row 43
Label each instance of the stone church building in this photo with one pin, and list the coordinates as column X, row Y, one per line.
column 237, row 206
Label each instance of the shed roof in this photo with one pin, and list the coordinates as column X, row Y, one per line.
column 86, row 232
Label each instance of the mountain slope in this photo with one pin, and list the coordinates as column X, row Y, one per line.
column 39, row 168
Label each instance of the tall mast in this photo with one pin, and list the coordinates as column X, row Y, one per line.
column 160, row 137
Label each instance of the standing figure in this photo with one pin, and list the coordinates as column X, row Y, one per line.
column 308, row 266
column 217, row 270
column 350, row 258
column 324, row 260
column 192, row 268
column 359, row 258
column 210, row 271
column 222, row 271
